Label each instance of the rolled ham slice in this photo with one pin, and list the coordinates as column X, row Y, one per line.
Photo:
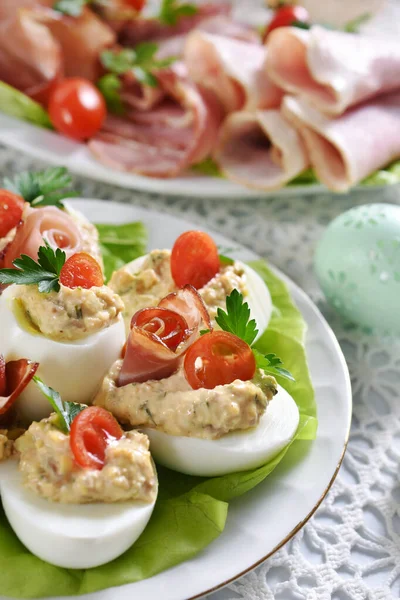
column 260, row 150
column 163, row 142
column 346, row 149
column 333, row 70
column 14, row 377
column 233, row 70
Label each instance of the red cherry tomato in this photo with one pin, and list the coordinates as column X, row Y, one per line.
column 76, row 108
column 285, row 16
column 91, row 430
column 136, row 4
column 81, row 270
column 3, row 381
column 11, row 208
column 166, row 324
column 194, row 259
column 218, row 358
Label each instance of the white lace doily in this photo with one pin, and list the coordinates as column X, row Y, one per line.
column 350, row 549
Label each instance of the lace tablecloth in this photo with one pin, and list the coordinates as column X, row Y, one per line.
column 350, row 549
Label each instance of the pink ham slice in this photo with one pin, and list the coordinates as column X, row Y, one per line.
column 48, row 223
column 346, row 149
column 233, row 70
column 179, row 132
column 260, row 150
column 331, row 69
column 147, row 357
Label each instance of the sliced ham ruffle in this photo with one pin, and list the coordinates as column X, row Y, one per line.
column 233, row 70
column 147, row 357
column 48, row 223
column 346, row 149
column 163, row 142
column 14, row 377
column 260, row 150
column 331, row 69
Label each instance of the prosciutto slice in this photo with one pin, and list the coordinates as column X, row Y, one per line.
column 14, row 377
column 261, row 150
column 147, row 357
column 163, row 142
column 331, row 69
column 49, row 223
column 346, row 149
column 233, row 70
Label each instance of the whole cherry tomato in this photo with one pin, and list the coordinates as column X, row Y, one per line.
column 194, row 259
column 11, row 208
column 76, row 108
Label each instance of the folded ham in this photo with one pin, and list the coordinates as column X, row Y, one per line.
column 162, row 142
column 346, row 149
column 233, row 70
column 261, row 150
column 332, row 69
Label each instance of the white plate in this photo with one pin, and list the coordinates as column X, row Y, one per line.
column 268, row 516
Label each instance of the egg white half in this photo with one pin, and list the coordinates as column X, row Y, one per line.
column 258, row 298
column 75, row 369
column 72, row 536
column 236, row 451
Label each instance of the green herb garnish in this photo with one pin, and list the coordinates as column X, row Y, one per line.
column 225, row 260
column 354, row 25
column 42, row 188
column 66, row 411
column 140, row 61
column 236, row 320
column 110, row 88
column 44, row 273
column 72, row 8
column 172, row 10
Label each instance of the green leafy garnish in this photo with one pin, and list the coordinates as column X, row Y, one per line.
column 354, row 25
column 121, row 244
column 226, row 260
column 110, row 88
column 236, row 320
column 207, row 167
column 44, row 273
column 66, row 411
column 42, row 188
column 72, row 8
column 172, row 10
column 140, row 61
column 16, row 104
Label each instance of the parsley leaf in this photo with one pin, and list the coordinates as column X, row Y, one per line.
column 42, row 188
column 72, row 8
column 225, row 260
column 354, row 25
column 140, row 61
column 110, row 88
column 270, row 363
column 66, row 411
column 45, row 273
column 236, row 319
column 171, row 11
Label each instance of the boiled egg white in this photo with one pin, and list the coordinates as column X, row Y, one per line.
column 258, row 298
column 236, row 451
column 75, row 369
column 72, row 536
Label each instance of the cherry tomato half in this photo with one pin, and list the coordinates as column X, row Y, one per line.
column 91, row 430
column 218, row 358
column 286, row 16
column 11, row 208
column 136, row 4
column 194, row 259
column 81, row 270
column 170, row 327
column 3, row 381
column 76, row 108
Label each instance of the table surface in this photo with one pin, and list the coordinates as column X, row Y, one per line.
column 350, row 549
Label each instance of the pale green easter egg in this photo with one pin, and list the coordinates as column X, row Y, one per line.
column 357, row 263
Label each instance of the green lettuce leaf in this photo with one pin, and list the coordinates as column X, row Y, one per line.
column 120, row 244
column 16, row 104
column 190, row 511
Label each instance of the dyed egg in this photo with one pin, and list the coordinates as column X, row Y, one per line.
column 358, row 266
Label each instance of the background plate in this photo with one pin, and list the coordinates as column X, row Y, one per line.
column 265, row 518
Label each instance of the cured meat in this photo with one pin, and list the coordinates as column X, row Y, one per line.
column 332, row 69
column 346, row 149
column 147, row 357
column 14, row 377
column 233, row 70
column 163, row 142
column 50, row 224
column 261, row 150
column 9, row 8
